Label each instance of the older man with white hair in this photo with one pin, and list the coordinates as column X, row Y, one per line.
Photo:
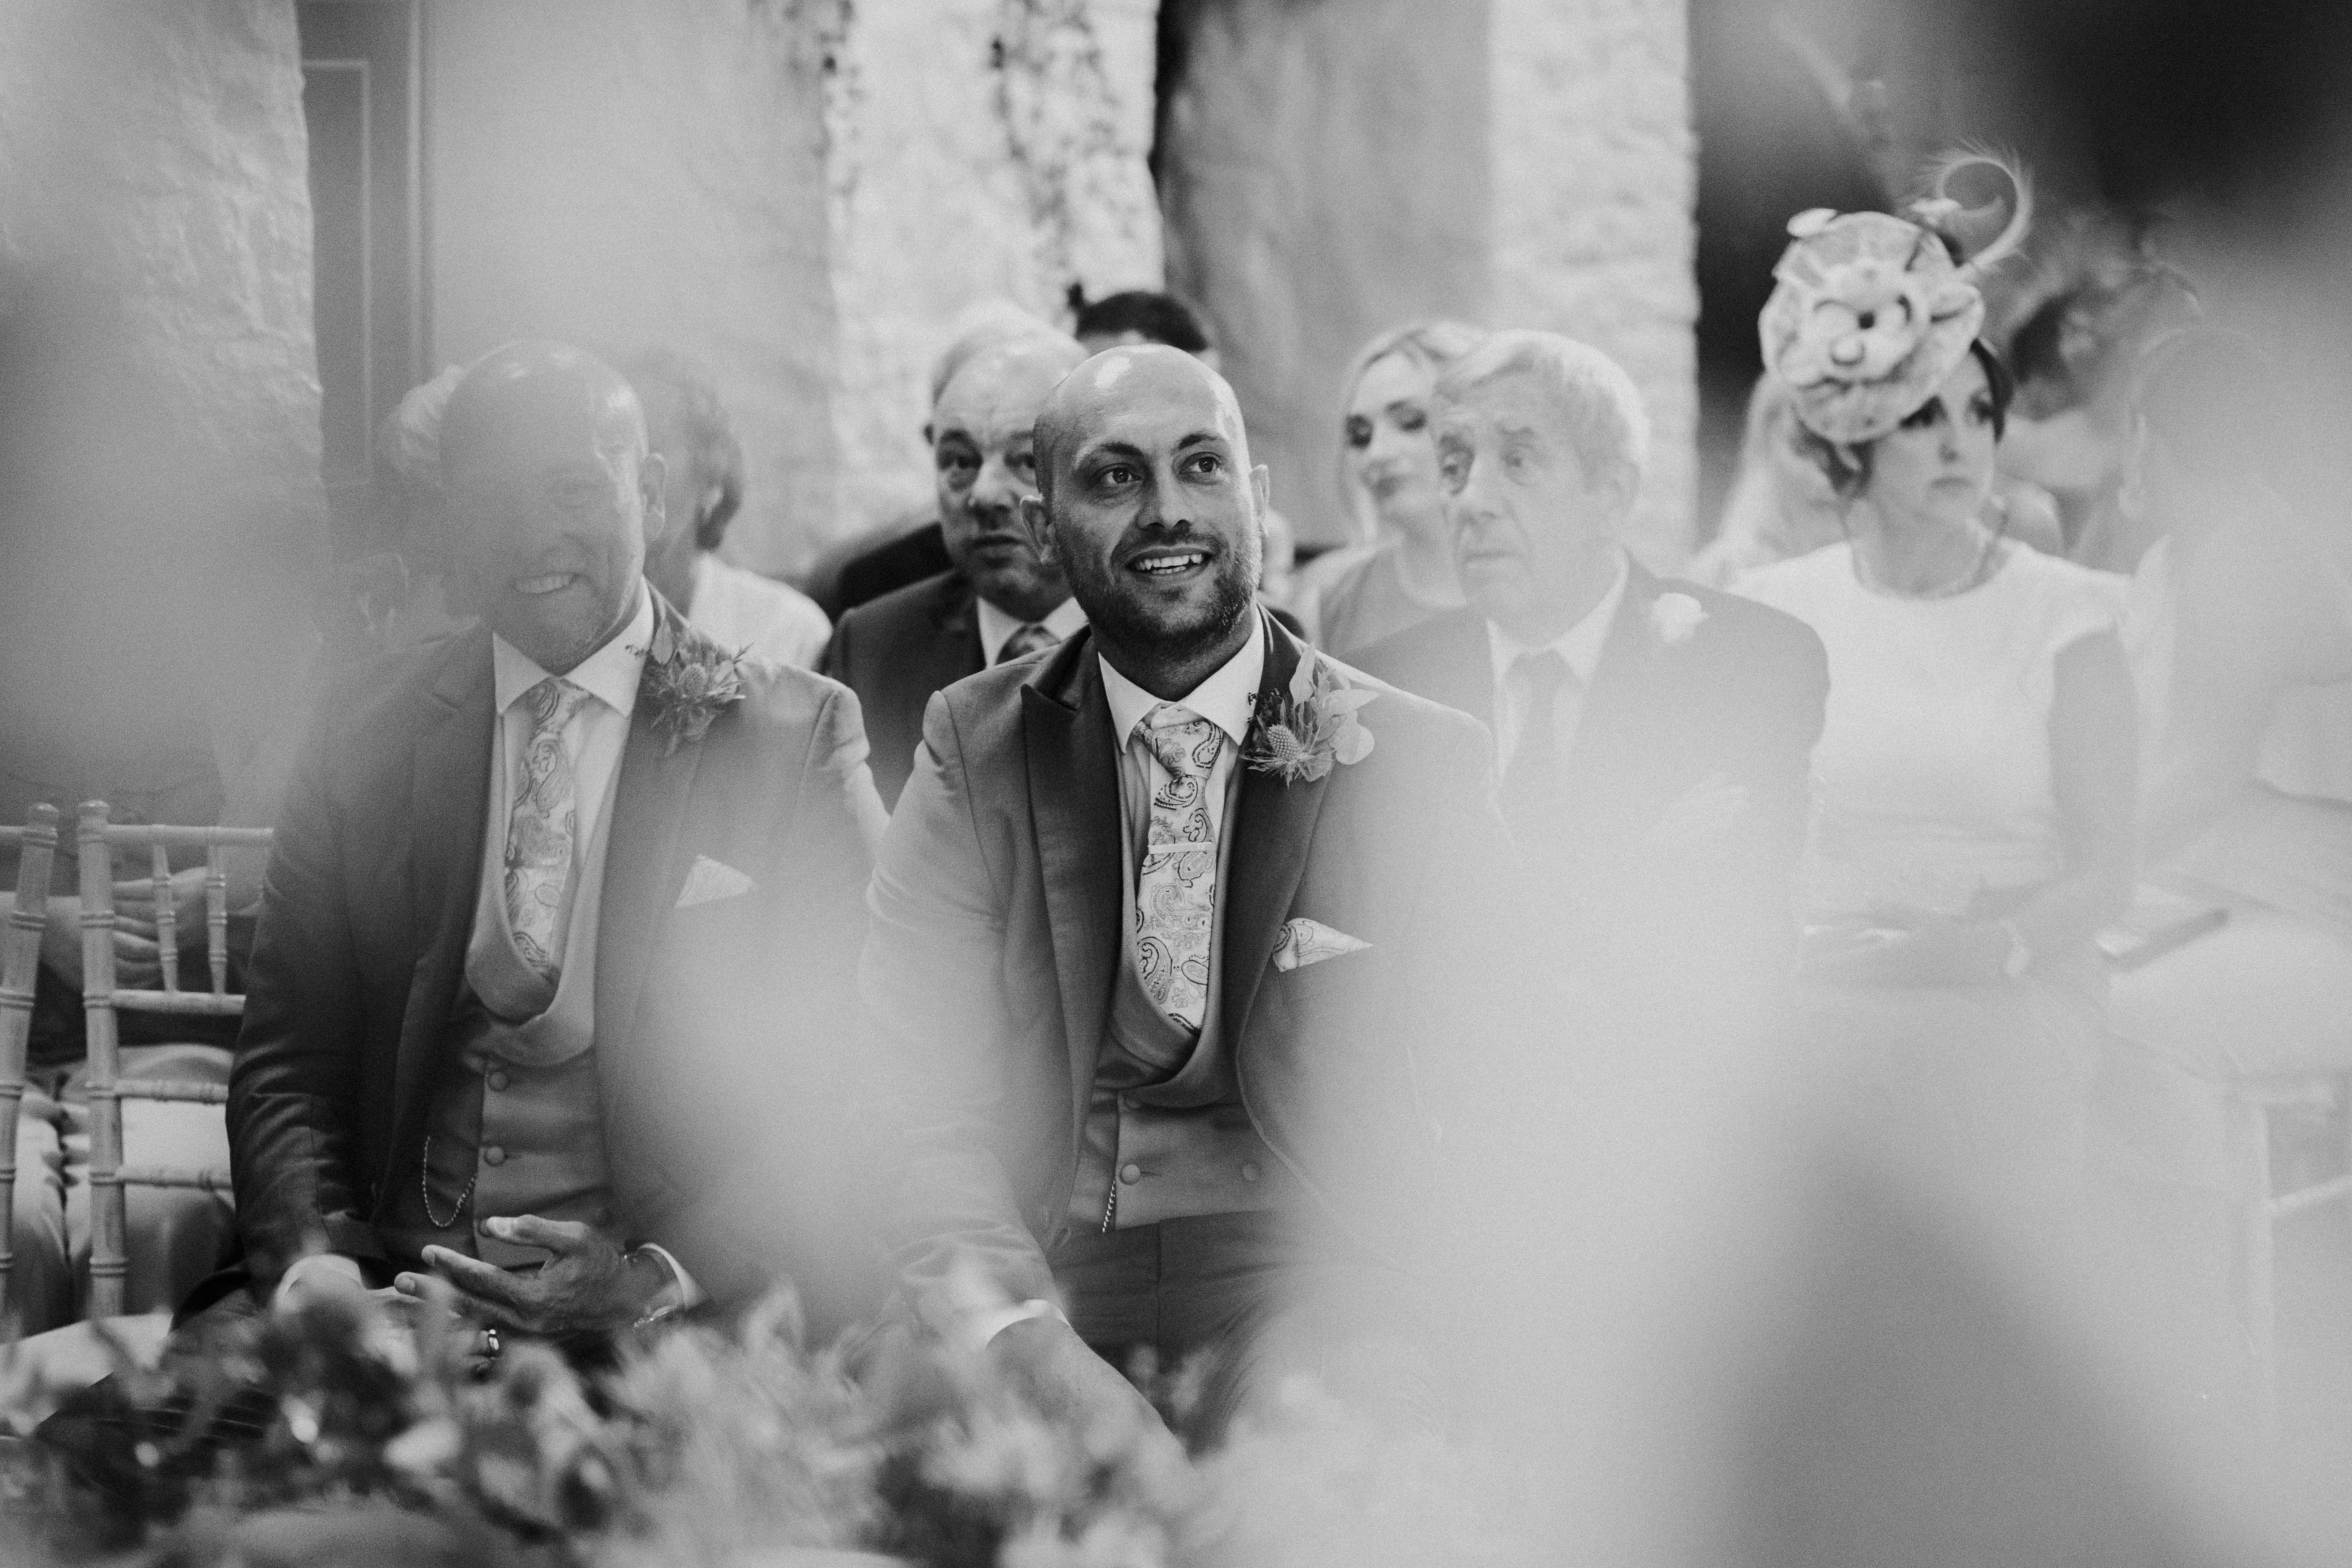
column 1653, row 736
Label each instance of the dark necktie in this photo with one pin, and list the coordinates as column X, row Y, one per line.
column 1027, row 640
column 1531, row 777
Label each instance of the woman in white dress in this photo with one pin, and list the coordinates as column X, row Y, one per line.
column 1975, row 781
column 1782, row 505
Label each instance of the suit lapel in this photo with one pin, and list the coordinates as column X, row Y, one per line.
column 1274, row 823
column 1468, row 660
column 1074, row 809
column 450, row 794
column 641, row 874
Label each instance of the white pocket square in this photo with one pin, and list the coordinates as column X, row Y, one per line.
column 1304, row 942
column 709, row 880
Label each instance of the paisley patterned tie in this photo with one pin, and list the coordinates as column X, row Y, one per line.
column 1176, row 891
column 1026, row 638
column 539, row 829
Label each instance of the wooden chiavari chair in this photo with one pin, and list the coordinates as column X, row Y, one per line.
column 2261, row 1206
column 20, row 966
column 102, row 999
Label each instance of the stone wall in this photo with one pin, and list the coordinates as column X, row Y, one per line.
column 156, row 154
column 1332, row 168
column 805, row 194
column 1327, row 175
column 1595, row 183
column 981, row 150
column 624, row 171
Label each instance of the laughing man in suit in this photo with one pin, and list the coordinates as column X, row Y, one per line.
column 1653, row 737
column 546, row 994
column 1002, row 600
column 1168, row 1026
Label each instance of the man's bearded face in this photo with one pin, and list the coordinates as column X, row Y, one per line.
column 1155, row 510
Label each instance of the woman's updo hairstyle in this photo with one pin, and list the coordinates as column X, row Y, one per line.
column 1431, row 345
column 1849, row 467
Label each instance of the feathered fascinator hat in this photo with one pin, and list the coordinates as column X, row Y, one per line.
column 1871, row 311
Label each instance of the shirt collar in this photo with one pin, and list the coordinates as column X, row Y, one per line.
column 1580, row 645
column 1224, row 699
column 996, row 626
column 611, row 674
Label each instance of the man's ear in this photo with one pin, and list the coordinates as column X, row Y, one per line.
column 1621, row 489
column 1262, row 488
column 1040, row 524
column 653, row 498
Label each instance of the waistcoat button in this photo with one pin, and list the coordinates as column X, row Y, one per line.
column 1249, row 1170
column 1130, row 1173
column 498, row 1080
column 494, row 1155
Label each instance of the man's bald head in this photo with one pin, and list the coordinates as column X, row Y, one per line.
column 1120, row 377
column 1035, row 362
column 551, row 494
column 530, row 379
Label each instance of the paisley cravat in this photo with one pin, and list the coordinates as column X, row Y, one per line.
column 1176, row 891
column 541, row 827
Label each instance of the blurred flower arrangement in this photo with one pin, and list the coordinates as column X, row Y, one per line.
column 694, row 1445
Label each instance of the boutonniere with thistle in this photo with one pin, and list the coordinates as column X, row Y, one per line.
column 1301, row 733
column 688, row 682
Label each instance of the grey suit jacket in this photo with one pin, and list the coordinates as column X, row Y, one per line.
column 720, row 1027
column 995, row 938
column 894, row 652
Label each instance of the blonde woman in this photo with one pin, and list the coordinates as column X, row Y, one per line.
column 1388, row 474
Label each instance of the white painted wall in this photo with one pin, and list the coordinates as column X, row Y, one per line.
column 615, row 172
column 982, row 150
column 1595, row 191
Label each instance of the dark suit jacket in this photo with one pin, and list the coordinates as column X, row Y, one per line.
column 894, row 653
column 718, row 1024
column 893, row 564
column 996, row 937
column 1740, row 697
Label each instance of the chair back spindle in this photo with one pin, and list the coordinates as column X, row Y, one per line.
column 215, row 912
column 103, row 998
column 109, row 1243
column 167, row 917
column 20, row 964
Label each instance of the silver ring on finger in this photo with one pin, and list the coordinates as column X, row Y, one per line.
column 490, row 1343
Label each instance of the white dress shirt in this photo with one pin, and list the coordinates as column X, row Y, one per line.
column 1223, row 699
column 1580, row 646
column 593, row 740
column 743, row 610
column 996, row 626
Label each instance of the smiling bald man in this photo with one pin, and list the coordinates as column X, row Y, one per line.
column 549, row 992
column 1169, row 1027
